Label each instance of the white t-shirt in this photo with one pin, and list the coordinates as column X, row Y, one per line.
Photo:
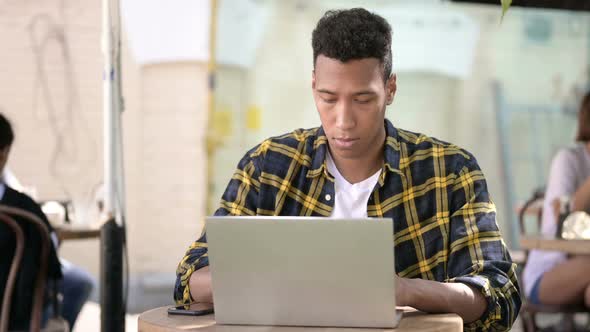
column 10, row 180
column 351, row 199
column 569, row 169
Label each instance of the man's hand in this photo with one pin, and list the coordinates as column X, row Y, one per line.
column 438, row 297
column 200, row 285
column 401, row 292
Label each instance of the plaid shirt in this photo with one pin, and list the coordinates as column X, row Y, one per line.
column 444, row 220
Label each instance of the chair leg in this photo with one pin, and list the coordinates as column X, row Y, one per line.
column 568, row 322
column 524, row 322
column 528, row 322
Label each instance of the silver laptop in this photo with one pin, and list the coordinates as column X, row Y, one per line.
column 302, row 271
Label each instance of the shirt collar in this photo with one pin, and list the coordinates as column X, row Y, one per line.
column 391, row 153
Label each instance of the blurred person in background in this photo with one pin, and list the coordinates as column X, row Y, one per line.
column 74, row 283
column 546, row 271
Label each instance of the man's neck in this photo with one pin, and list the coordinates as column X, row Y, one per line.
column 357, row 170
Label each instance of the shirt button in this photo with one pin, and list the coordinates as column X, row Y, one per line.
column 328, row 197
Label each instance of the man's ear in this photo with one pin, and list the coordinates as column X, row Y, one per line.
column 391, row 88
column 313, row 79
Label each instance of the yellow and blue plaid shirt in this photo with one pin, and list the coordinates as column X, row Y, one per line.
column 444, row 220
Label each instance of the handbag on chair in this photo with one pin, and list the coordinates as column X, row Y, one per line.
column 571, row 225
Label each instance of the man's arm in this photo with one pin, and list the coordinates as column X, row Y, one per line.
column 477, row 257
column 54, row 267
column 438, row 297
column 196, row 258
column 193, row 279
column 200, row 285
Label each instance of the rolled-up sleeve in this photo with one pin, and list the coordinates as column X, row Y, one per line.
column 478, row 255
column 239, row 198
column 195, row 258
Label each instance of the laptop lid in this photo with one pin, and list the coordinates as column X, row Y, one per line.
column 302, row 271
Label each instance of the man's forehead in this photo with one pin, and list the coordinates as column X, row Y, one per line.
column 323, row 60
column 354, row 76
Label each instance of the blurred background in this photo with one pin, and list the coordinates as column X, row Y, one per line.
column 204, row 81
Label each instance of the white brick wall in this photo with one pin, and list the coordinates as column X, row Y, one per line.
column 164, row 121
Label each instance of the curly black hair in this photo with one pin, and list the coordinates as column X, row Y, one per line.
column 6, row 133
column 353, row 34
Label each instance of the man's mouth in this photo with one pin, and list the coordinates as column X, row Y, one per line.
column 345, row 142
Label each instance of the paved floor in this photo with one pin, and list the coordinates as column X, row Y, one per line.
column 89, row 319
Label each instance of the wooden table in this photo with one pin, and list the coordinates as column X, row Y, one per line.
column 157, row 320
column 575, row 247
column 78, row 232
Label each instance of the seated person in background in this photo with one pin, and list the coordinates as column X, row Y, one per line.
column 449, row 254
column 547, row 271
column 75, row 285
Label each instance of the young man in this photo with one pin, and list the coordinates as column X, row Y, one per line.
column 449, row 254
column 74, row 283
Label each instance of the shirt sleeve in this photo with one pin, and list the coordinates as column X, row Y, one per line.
column 561, row 182
column 478, row 255
column 562, row 175
column 54, row 265
column 240, row 198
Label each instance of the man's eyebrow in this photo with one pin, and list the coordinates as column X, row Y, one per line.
column 360, row 93
column 366, row 92
column 326, row 91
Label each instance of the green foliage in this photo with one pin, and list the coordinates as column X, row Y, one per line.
column 505, row 5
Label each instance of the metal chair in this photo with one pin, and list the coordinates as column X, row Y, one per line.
column 56, row 323
column 16, row 259
column 529, row 310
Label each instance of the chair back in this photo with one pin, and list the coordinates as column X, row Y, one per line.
column 40, row 280
column 536, row 201
column 11, row 280
column 529, row 310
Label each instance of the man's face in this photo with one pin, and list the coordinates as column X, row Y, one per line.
column 3, row 158
column 351, row 98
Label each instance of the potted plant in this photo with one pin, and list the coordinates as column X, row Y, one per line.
column 505, row 5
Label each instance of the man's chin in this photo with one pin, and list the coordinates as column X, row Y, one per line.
column 347, row 153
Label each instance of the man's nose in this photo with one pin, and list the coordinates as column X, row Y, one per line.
column 345, row 117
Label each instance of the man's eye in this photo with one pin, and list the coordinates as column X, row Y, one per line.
column 363, row 101
column 329, row 101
